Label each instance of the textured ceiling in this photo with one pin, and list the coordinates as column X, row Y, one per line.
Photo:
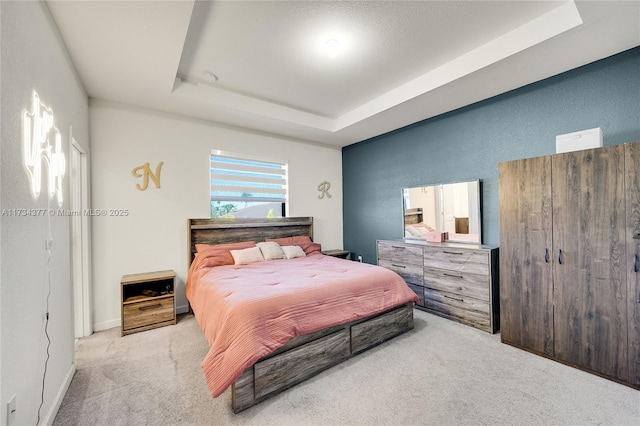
column 396, row 63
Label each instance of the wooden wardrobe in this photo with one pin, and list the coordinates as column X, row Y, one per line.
column 569, row 258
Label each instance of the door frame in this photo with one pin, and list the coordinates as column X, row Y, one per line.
column 80, row 255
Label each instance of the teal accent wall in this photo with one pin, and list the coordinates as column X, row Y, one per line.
column 468, row 144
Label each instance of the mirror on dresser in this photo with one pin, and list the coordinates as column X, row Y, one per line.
column 451, row 207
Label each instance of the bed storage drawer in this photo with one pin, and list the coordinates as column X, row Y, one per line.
column 377, row 330
column 274, row 373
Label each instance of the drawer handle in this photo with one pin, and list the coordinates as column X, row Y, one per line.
column 451, row 252
column 146, row 308
column 560, row 257
column 451, row 275
column 636, row 263
column 546, row 255
column 398, row 247
column 454, row 298
column 398, row 266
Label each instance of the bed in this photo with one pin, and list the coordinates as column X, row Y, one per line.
column 421, row 231
column 273, row 324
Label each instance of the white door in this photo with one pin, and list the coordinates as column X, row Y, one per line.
column 80, row 241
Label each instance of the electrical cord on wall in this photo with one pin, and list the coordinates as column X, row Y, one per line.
column 44, row 375
column 48, row 244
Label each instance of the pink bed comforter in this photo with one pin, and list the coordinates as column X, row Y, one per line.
column 249, row 311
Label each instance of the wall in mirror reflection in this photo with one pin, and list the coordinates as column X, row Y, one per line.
column 453, row 208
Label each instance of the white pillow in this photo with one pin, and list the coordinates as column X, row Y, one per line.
column 412, row 231
column 271, row 250
column 248, row 255
column 293, row 251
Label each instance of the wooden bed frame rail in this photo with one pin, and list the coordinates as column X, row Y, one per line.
column 307, row 355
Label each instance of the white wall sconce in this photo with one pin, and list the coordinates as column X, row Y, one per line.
column 41, row 140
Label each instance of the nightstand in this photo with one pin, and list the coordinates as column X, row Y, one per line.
column 147, row 301
column 343, row 254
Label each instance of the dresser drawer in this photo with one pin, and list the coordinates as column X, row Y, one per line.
column 457, row 259
column 419, row 291
column 462, row 283
column 466, row 310
column 405, row 254
column 455, row 281
column 410, row 273
column 148, row 312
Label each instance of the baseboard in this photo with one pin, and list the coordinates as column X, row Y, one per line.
column 182, row 309
column 99, row 326
column 57, row 402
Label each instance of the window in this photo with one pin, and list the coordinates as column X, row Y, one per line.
column 243, row 187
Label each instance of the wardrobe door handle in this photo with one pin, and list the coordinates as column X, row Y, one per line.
column 636, row 263
column 560, row 257
column 546, row 255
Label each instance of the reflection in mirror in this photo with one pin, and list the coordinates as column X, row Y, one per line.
column 453, row 208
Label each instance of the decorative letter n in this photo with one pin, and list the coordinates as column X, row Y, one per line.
column 144, row 172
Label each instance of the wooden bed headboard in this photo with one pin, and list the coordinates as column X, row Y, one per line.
column 412, row 216
column 223, row 231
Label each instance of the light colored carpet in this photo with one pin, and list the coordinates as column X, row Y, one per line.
column 441, row 373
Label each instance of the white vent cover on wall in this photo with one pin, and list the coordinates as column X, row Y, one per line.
column 584, row 139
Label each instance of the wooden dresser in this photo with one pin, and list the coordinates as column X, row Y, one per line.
column 456, row 281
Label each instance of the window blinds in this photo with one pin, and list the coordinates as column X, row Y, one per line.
column 238, row 179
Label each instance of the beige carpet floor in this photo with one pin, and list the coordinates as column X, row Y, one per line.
column 440, row 373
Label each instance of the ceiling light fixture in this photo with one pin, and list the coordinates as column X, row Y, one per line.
column 333, row 46
column 210, row 77
column 332, row 43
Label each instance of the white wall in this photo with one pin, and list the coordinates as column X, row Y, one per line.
column 34, row 58
column 153, row 235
